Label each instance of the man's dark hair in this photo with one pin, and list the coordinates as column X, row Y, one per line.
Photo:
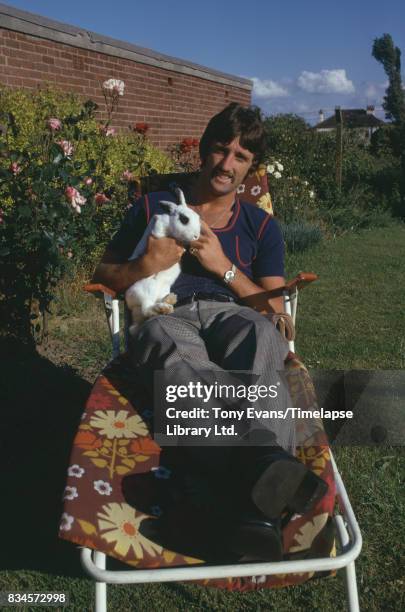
column 236, row 120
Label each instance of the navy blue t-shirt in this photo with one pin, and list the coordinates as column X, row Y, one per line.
column 252, row 240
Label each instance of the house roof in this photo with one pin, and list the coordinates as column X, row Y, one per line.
column 352, row 118
column 42, row 27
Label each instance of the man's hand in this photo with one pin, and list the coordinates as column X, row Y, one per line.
column 208, row 250
column 162, row 253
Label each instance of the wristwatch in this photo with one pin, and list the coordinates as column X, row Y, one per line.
column 229, row 275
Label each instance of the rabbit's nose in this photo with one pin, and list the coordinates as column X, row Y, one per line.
column 196, row 237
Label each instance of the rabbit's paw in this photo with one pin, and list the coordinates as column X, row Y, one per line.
column 163, row 308
column 159, row 308
column 171, row 298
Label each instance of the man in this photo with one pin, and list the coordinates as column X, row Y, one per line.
column 239, row 255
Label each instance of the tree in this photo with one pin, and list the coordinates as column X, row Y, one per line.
column 389, row 56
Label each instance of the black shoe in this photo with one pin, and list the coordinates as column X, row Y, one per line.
column 253, row 537
column 287, row 485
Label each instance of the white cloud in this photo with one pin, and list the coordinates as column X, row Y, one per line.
column 375, row 91
column 325, row 81
column 268, row 89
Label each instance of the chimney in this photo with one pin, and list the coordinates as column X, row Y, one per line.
column 321, row 116
column 370, row 110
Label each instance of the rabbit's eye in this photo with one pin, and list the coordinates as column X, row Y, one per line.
column 183, row 219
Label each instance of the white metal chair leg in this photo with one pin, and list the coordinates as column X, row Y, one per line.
column 101, row 587
column 351, row 587
column 112, row 310
column 290, row 308
column 352, row 595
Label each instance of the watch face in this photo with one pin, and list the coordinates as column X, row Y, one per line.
column 229, row 276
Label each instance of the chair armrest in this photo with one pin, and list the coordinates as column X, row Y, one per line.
column 300, row 281
column 98, row 290
column 260, row 301
column 255, row 301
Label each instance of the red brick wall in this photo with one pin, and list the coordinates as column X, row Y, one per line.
column 174, row 110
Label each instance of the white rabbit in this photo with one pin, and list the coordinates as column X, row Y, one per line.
column 151, row 296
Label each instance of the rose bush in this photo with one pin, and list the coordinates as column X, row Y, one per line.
column 185, row 155
column 65, row 183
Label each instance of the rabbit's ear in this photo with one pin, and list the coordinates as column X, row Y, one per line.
column 180, row 196
column 168, row 207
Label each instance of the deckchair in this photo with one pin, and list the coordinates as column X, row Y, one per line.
column 116, row 467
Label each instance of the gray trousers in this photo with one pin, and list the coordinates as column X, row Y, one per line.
column 217, row 337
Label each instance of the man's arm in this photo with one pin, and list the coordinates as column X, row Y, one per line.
column 209, row 252
column 113, row 272
column 251, row 292
column 270, row 283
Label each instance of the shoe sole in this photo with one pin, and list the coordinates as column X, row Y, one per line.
column 287, row 485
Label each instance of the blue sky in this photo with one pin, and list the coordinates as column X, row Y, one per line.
column 303, row 55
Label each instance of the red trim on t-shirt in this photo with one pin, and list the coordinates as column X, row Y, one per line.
column 263, row 225
column 146, row 200
column 243, row 263
column 233, row 221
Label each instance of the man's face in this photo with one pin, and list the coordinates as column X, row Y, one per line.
column 226, row 166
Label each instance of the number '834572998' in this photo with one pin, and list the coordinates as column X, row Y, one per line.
column 14, row 598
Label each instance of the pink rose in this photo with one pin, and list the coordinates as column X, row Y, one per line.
column 101, row 198
column 88, row 180
column 15, row 168
column 66, row 147
column 54, row 124
column 75, row 198
column 70, row 192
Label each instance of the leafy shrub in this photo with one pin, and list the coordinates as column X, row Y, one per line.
column 299, row 237
column 64, row 187
column 354, row 210
column 185, row 155
column 293, row 198
column 371, row 176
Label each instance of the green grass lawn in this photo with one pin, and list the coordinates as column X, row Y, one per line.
column 352, row 318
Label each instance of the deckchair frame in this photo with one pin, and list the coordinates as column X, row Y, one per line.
column 347, row 528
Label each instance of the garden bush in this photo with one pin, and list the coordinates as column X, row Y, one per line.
column 307, row 192
column 293, row 198
column 65, row 183
column 351, row 210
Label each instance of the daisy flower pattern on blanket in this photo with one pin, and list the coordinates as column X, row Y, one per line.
column 118, row 424
column 120, row 524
